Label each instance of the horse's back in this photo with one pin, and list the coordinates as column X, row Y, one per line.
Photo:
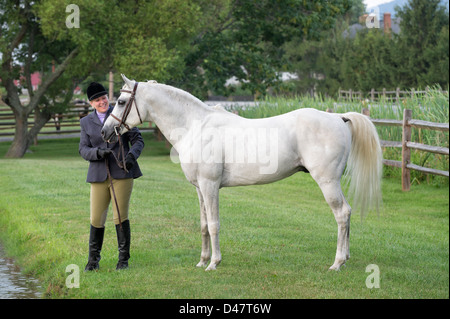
column 259, row 151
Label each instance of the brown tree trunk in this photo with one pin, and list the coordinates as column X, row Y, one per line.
column 20, row 143
column 24, row 137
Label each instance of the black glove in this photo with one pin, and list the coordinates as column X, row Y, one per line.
column 129, row 161
column 103, row 152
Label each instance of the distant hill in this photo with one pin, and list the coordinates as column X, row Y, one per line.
column 390, row 7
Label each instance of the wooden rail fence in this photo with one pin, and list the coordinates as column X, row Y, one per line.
column 71, row 118
column 405, row 164
column 393, row 95
column 61, row 123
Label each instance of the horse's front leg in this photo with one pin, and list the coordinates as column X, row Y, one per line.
column 206, row 252
column 210, row 193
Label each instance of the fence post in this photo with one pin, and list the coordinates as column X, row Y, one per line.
column 406, row 152
column 397, row 94
column 372, row 95
column 111, row 86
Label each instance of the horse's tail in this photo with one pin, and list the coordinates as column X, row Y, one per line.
column 365, row 163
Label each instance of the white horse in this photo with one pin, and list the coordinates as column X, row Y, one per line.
column 220, row 149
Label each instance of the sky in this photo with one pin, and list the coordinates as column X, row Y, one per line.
column 373, row 3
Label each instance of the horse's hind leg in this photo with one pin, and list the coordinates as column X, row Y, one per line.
column 206, row 252
column 341, row 209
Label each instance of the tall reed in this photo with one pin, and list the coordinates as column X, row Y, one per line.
column 433, row 107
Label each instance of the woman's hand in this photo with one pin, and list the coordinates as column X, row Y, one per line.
column 103, row 152
column 129, row 161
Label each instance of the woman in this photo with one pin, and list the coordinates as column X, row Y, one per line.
column 100, row 153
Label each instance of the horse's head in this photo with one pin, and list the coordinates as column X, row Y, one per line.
column 124, row 116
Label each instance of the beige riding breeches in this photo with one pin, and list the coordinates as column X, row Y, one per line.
column 102, row 196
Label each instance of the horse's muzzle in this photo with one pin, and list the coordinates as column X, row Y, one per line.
column 111, row 137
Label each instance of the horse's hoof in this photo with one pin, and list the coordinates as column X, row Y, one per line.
column 211, row 267
column 201, row 264
column 337, row 266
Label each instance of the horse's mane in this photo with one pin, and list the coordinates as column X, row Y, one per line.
column 183, row 95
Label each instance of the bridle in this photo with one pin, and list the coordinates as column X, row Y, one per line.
column 127, row 111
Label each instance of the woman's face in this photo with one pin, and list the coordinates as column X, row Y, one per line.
column 101, row 104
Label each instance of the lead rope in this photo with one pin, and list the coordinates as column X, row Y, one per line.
column 122, row 166
column 113, row 191
column 121, row 154
column 121, row 148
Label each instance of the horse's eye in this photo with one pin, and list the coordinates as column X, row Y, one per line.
column 121, row 102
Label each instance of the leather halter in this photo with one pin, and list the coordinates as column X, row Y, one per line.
column 127, row 110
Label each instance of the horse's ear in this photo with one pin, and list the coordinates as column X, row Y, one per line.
column 128, row 82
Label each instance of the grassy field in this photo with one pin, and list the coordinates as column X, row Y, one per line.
column 277, row 240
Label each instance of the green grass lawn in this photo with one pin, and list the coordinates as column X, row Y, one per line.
column 277, row 240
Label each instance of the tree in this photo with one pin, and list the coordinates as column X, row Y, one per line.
column 437, row 57
column 372, row 61
column 35, row 36
column 19, row 37
column 194, row 44
column 424, row 31
column 144, row 39
column 416, row 57
column 246, row 41
column 156, row 37
column 321, row 64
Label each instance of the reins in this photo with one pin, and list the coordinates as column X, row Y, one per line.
column 112, row 188
column 122, row 163
column 123, row 166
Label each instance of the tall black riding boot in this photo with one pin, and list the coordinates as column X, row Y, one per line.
column 95, row 247
column 123, row 241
